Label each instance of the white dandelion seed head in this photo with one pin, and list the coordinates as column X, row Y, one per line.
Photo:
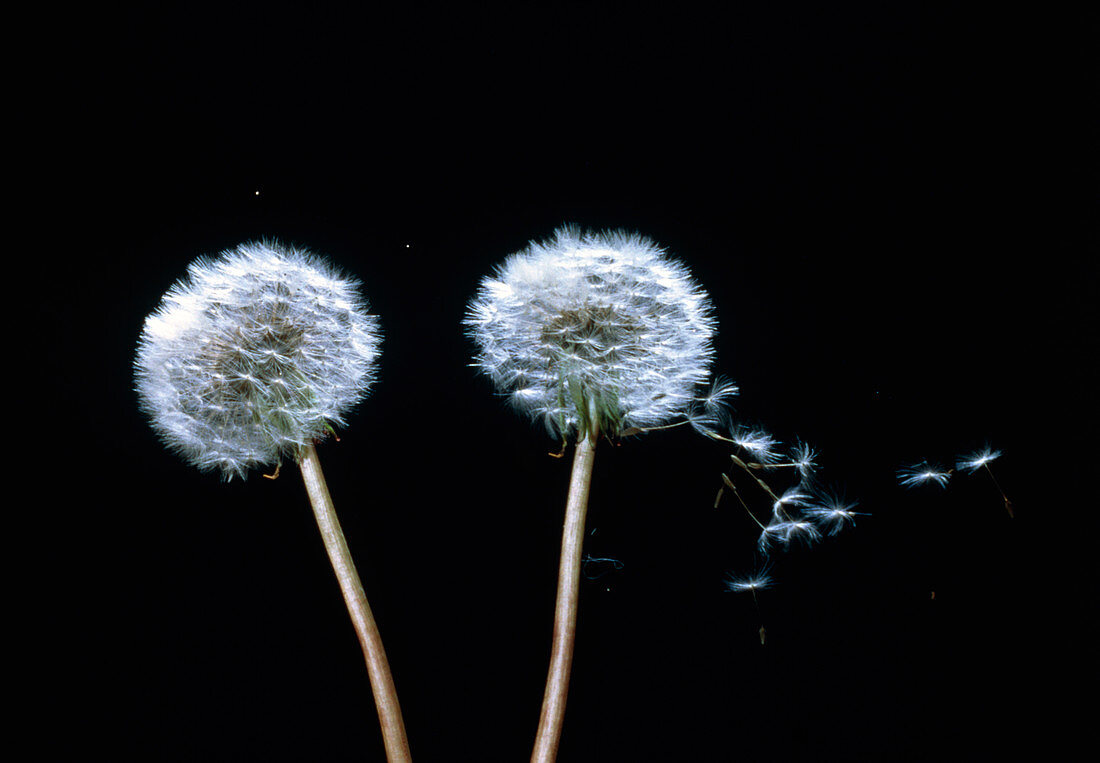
column 251, row 357
column 593, row 331
column 922, row 474
column 976, row 460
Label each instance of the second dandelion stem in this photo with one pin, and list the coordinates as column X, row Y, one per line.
column 565, row 609
column 378, row 668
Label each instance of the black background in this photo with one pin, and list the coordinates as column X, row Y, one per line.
column 886, row 205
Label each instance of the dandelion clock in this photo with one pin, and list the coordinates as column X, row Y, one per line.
column 592, row 335
column 248, row 362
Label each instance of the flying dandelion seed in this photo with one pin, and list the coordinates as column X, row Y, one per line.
column 923, row 474
column 710, row 415
column 833, row 513
column 742, row 583
column 781, row 535
column 722, row 390
column 804, row 458
column 975, row 461
column 758, row 581
column 792, row 497
column 757, row 443
column 981, row 460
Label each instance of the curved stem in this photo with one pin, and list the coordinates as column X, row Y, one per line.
column 378, row 668
column 565, row 608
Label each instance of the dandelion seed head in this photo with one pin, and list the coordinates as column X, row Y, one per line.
column 253, row 355
column 593, row 331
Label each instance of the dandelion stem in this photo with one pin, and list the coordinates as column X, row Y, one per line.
column 378, row 668
column 565, row 608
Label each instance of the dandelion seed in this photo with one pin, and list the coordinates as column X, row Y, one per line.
column 981, row 459
column 755, row 582
column 704, row 422
column 922, row 474
column 758, row 581
column 792, row 497
column 975, row 461
column 833, row 513
column 802, row 531
column 757, row 443
column 783, row 534
column 721, row 391
column 710, row 414
column 803, row 457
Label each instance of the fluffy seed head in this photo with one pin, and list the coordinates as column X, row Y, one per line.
column 593, row 332
column 251, row 356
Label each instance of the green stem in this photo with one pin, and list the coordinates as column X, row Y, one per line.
column 378, row 668
column 565, row 608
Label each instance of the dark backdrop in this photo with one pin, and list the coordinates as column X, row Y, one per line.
column 885, row 204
